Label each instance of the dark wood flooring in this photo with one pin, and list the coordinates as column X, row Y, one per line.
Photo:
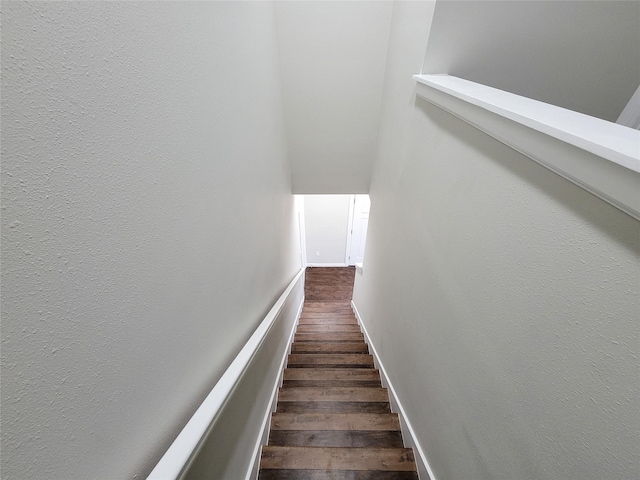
column 333, row 420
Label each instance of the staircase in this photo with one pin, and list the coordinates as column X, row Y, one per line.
column 333, row 419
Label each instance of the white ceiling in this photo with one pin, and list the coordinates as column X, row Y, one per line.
column 333, row 58
column 580, row 55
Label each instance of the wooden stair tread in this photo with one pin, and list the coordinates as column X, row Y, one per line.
column 338, row 458
column 333, row 407
column 275, row 474
column 336, row 438
column 327, row 321
column 301, row 360
column 329, row 336
column 329, row 347
column 324, row 328
column 333, row 394
column 331, row 383
column 335, row 421
column 331, row 377
column 328, row 302
column 327, row 311
column 331, row 374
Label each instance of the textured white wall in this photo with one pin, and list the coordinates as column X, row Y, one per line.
column 327, row 221
column 502, row 298
column 584, row 56
column 147, row 222
column 333, row 60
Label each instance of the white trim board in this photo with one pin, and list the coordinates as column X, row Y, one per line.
column 252, row 473
column 347, row 252
column 408, row 434
column 601, row 157
column 176, row 461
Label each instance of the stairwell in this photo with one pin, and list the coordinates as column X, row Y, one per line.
column 333, row 419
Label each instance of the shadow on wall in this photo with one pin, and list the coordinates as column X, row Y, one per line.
column 581, row 203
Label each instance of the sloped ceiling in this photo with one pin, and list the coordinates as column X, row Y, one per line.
column 580, row 55
column 333, row 58
column 584, row 56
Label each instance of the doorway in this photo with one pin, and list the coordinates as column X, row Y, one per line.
column 334, row 229
column 357, row 237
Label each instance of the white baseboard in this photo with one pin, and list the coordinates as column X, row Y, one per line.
column 252, row 473
column 327, row 265
column 408, row 434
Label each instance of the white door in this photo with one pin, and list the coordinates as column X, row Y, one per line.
column 358, row 233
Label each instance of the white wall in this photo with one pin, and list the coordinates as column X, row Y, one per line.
column 147, row 224
column 502, row 299
column 327, row 221
column 584, row 56
column 333, row 60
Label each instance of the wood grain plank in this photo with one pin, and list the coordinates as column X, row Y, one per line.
column 327, row 321
column 333, row 407
column 333, row 394
column 329, row 284
column 275, row 474
column 323, row 306
column 355, row 374
column 328, row 328
column 320, row 312
column 302, row 360
column 335, row 421
column 329, row 337
column 336, row 438
column 326, row 458
column 331, row 383
column 342, row 309
column 318, row 347
column 330, row 304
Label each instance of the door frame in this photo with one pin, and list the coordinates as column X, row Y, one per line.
column 347, row 253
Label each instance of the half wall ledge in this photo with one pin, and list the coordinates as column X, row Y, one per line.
column 599, row 156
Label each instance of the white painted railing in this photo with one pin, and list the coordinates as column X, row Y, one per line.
column 600, row 156
column 176, row 461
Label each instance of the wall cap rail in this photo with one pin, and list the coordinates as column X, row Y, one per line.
column 600, row 156
column 178, row 458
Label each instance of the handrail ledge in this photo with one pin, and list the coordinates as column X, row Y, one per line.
column 177, row 459
column 612, row 172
